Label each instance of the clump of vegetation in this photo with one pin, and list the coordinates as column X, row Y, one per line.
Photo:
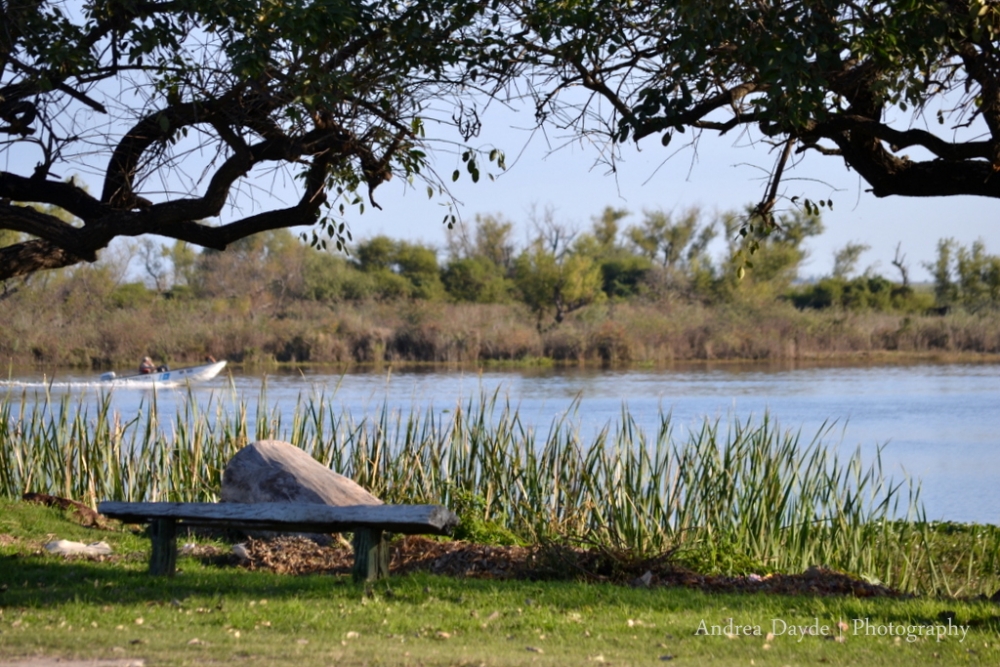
column 741, row 498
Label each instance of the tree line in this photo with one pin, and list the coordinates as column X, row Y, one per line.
column 653, row 287
column 557, row 270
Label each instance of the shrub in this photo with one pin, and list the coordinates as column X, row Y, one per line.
column 861, row 293
column 131, row 295
column 476, row 280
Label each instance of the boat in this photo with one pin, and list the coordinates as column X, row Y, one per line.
column 167, row 377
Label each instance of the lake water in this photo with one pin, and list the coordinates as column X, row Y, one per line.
column 937, row 423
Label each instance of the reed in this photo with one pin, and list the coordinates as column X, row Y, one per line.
column 739, row 497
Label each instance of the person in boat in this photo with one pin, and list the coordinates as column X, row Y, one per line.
column 147, row 367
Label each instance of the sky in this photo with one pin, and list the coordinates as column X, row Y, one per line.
column 723, row 174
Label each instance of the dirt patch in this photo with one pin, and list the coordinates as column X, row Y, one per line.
column 296, row 556
column 83, row 514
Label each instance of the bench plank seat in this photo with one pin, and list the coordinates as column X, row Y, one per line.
column 367, row 522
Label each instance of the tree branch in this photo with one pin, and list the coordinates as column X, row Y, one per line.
column 67, row 196
column 900, row 139
column 694, row 114
column 29, row 221
column 22, row 259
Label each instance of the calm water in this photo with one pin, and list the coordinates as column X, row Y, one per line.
column 937, row 423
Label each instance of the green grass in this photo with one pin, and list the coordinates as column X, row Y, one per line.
column 87, row 609
column 745, row 497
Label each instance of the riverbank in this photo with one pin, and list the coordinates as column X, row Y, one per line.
column 533, row 365
column 212, row 611
column 652, row 334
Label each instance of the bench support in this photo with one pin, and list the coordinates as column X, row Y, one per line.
column 371, row 555
column 369, row 523
column 163, row 560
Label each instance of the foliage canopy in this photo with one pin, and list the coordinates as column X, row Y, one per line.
column 178, row 106
column 840, row 78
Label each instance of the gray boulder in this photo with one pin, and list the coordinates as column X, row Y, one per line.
column 274, row 471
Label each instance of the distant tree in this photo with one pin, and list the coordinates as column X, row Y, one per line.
column 476, row 280
column 606, row 228
column 945, row 288
column 260, row 271
column 558, row 285
column 845, row 260
column 418, row 264
column 376, row 254
column 333, row 278
column 679, row 247
column 663, row 239
column 155, row 258
column 865, row 292
column 899, row 261
column 184, row 260
column 622, row 271
column 551, row 235
column 966, row 277
column 176, row 107
column 480, row 263
column 773, row 259
column 400, row 269
column 491, row 239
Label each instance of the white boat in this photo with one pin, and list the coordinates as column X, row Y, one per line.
column 170, row 377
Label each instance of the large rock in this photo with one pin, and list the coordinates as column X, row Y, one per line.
column 274, row 471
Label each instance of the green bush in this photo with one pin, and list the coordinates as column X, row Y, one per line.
column 966, row 277
column 860, row 294
column 331, row 279
column 389, row 286
column 131, row 295
column 418, row 265
column 476, row 280
column 475, row 523
column 623, row 276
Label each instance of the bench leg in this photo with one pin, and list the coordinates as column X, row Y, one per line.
column 371, row 555
column 164, row 558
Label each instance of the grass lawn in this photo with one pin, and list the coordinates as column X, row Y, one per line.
column 59, row 607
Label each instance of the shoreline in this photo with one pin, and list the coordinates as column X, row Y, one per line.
column 808, row 361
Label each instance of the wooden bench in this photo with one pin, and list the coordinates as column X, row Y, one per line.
column 367, row 522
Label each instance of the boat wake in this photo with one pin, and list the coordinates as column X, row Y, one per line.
column 84, row 384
